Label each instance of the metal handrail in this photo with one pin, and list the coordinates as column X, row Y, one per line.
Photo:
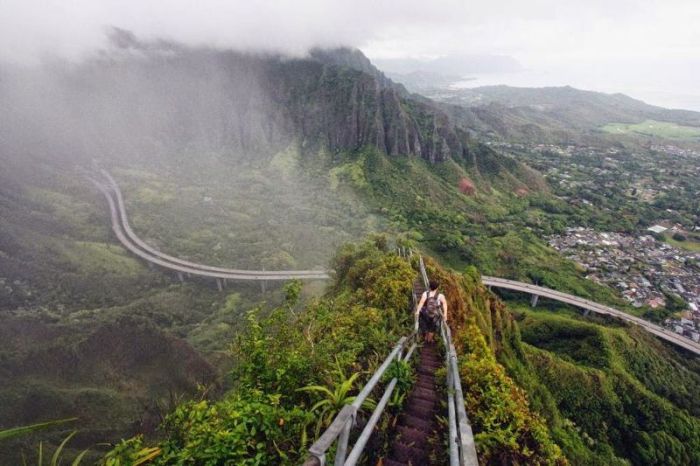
column 461, row 441
column 423, row 273
column 344, row 421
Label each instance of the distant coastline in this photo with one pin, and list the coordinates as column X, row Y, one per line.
column 683, row 96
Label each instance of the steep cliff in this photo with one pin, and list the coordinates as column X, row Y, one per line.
column 146, row 98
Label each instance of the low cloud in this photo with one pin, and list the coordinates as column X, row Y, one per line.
column 534, row 31
column 607, row 45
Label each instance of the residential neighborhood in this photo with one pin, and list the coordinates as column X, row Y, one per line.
column 647, row 272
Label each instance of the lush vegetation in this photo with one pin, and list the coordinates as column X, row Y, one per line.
column 296, row 368
column 67, row 289
column 605, row 390
column 498, row 229
column 89, row 330
column 507, row 430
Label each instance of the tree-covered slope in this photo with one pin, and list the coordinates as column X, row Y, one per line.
column 270, row 418
column 561, row 115
column 617, row 388
column 539, row 388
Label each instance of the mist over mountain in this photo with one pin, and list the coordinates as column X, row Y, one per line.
column 555, row 114
column 142, row 99
column 273, row 161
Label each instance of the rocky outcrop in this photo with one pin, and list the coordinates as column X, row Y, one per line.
column 158, row 97
column 355, row 105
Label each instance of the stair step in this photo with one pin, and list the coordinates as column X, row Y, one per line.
column 413, row 437
column 430, row 364
column 437, row 362
column 426, row 400
column 430, row 371
column 424, row 394
column 432, row 361
column 430, row 358
column 409, row 454
column 425, row 385
column 420, row 412
column 424, row 405
column 390, row 462
column 426, row 425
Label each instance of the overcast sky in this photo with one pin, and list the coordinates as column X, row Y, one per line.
column 612, row 35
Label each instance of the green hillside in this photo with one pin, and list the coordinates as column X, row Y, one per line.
column 266, row 162
column 540, row 388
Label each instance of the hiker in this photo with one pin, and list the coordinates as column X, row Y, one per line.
column 431, row 308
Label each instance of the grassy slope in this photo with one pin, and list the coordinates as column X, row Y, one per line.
column 213, row 209
column 691, row 244
column 495, row 229
column 655, row 128
column 622, row 392
column 63, row 277
column 347, row 331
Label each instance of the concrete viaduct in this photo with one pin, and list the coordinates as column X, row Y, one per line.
column 591, row 306
column 129, row 239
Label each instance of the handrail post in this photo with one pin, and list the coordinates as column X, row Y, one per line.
column 466, row 436
column 451, row 417
column 342, row 450
column 344, row 421
column 371, row 423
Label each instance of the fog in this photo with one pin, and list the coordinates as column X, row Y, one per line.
column 620, row 40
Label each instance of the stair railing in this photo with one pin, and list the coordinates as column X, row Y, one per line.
column 461, row 441
column 345, row 420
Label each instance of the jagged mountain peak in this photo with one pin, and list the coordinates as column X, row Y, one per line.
column 165, row 98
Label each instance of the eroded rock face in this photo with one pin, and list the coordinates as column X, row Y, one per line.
column 164, row 98
column 356, row 105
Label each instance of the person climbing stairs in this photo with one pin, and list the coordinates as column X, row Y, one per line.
column 416, row 438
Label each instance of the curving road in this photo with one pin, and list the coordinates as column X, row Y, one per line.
column 657, row 330
column 126, row 236
column 129, row 239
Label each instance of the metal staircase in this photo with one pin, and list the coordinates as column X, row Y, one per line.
column 417, row 421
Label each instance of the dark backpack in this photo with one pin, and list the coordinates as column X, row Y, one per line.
column 432, row 305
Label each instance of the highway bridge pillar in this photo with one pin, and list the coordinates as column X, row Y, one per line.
column 181, row 277
column 533, row 300
column 219, row 285
column 150, row 265
column 586, row 312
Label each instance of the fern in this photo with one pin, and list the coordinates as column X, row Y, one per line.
column 25, row 430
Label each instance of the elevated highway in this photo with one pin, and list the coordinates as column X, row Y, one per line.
column 592, row 306
column 126, row 236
